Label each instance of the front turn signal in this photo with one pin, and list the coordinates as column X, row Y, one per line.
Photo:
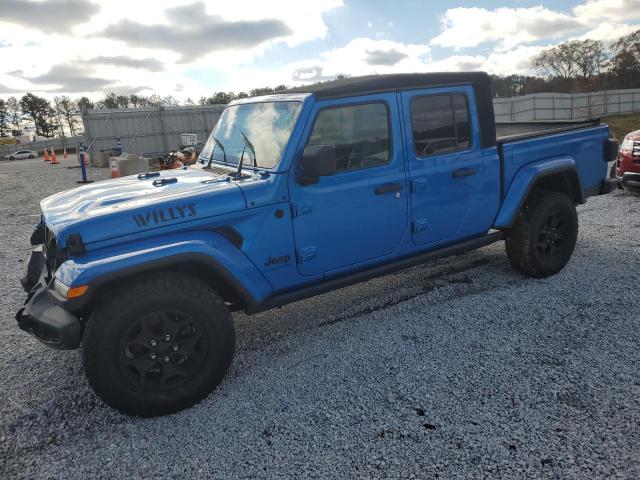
column 76, row 292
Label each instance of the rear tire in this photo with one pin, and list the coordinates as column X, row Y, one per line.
column 544, row 235
column 158, row 345
column 31, row 156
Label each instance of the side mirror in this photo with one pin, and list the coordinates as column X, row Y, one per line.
column 317, row 161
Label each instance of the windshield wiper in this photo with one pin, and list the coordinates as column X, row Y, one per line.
column 249, row 145
column 218, row 144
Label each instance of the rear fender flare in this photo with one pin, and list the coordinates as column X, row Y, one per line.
column 526, row 179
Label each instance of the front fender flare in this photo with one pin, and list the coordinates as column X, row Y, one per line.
column 524, row 181
column 209, row 248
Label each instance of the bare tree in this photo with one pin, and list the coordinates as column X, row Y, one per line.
column 170, row 101
column 67, row 110
column 4, row 117
column 558, row 61
column 14, row 112
column 625, row 65
column 590, row 57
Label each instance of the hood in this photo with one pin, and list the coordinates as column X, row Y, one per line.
column 635, row 136
column 117, row 207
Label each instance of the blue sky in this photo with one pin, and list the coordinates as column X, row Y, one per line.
column 189, row 48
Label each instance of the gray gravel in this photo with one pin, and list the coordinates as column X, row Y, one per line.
column 458, row 369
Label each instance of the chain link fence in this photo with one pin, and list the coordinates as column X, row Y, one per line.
column 545, row 107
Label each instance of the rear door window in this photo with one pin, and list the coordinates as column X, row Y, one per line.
column 440, row 124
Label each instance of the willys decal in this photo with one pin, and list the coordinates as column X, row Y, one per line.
column 165, row 214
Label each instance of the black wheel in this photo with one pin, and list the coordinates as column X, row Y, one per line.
column 158, row 344
column 12, row 157
column 544, row 235
column 31, row 156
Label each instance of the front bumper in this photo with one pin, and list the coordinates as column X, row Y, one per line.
column 630, row 181
column 41, row 316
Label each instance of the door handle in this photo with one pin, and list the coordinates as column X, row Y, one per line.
column 463, row 172
column 388, row 188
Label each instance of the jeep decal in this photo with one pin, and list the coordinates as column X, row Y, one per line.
column 165, row 214
column 274, row 261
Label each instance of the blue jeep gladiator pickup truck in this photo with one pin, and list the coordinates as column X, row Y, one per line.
column 294, row 195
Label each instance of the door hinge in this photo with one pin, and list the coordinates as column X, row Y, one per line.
column 418, row 184
column 420, row 225
column 306, row 253
column 300, row 208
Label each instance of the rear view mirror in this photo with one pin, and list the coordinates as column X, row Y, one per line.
column 317, row 161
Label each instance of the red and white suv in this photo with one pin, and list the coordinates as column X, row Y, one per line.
column 627, row 166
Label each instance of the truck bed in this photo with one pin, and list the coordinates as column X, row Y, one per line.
column 511, row 132
column 525, row 143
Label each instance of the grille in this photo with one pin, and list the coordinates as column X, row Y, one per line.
column 50, row 250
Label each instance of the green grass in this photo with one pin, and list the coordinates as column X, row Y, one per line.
column 620, row 125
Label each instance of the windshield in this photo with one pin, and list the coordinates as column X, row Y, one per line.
column 267, row 127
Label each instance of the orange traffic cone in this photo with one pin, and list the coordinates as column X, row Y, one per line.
column 54, row 159
column 64, row 153
column 46, row 156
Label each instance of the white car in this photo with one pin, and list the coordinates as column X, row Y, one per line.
column 21, row 154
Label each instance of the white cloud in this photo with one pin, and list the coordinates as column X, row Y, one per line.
column 618, row 10
column 516, row 61
column 124, row 64
column 470, row 27
column 85, row 60
column 359, row 56
column 607, row 31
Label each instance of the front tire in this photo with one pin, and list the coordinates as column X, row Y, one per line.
column 12, row 158
column 31, row 156
column 158, row 345
column 544, row 235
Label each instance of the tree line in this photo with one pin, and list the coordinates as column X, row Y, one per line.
column 578, row 66
column 47, row 119
column 571, row 67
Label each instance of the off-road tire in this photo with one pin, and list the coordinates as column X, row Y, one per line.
column 109, row 348
column 533, row 246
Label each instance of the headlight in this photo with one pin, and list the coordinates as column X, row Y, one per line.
column 61, row 288
column 627, row 145
column 69, row 292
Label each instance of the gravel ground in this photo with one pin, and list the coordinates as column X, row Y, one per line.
column 458, row 369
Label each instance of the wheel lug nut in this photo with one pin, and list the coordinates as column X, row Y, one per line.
column 167, row 359
column 175, row 348
column 167, row 338
column 153, row 356
column 153, row 343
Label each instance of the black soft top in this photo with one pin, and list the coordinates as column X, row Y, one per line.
column 370, row 84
